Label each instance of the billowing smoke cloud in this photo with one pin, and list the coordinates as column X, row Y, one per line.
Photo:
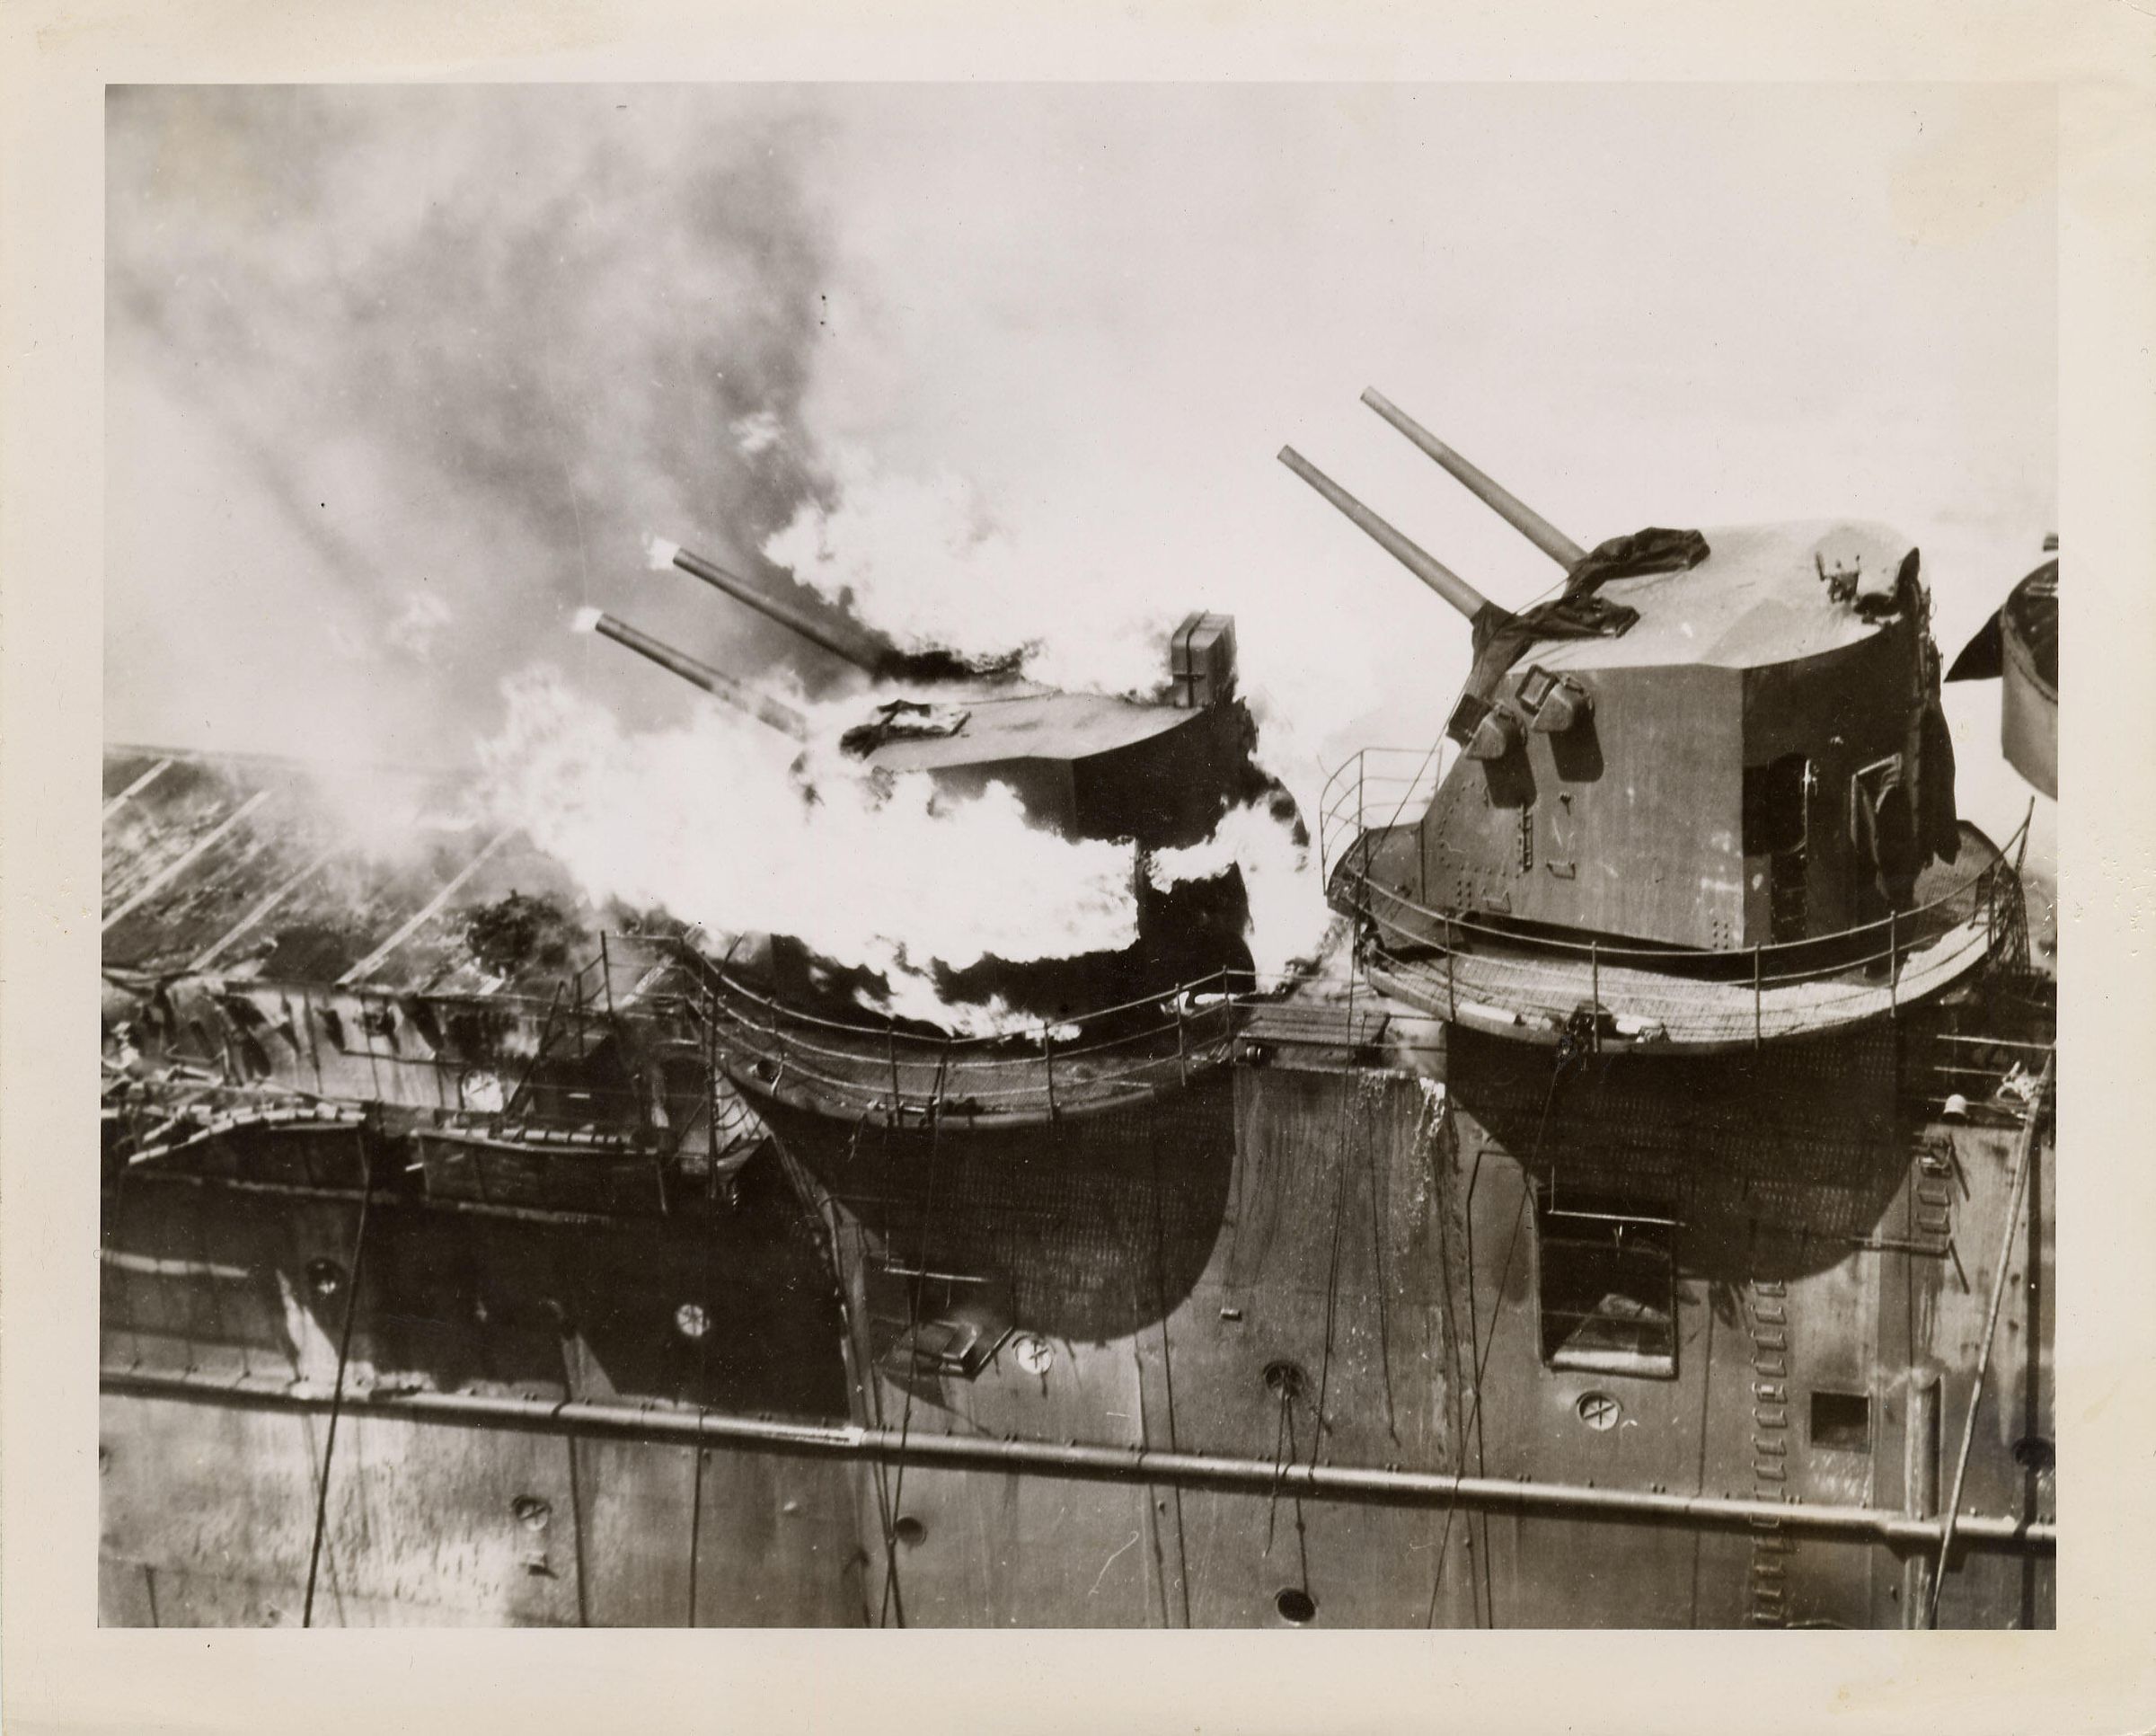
column 1288, row 912
column 469, row 348
column 715, row 822
column 923, row 560
column 400, row 378
column 464, row 347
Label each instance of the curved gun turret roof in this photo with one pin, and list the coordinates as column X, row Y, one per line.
column 1758, row 598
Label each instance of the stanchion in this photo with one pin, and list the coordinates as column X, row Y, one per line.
column 1894, row 963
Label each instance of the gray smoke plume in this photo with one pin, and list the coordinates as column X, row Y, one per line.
column 472, row 346
column 399, row 380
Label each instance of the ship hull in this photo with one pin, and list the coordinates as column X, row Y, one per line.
column 1295, row 1320
column 1383, row 1250
column 428, row 1303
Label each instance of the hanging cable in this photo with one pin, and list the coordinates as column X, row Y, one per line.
column 1159, row 1273
column 2026, row 1148
column 1565, row 1059
column 892, row 1602
column 703, row 1342
column 1339, row 1204
column 344, row 1351
column 1282, row 1444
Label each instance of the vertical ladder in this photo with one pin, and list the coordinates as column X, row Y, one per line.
column 1767, row 1317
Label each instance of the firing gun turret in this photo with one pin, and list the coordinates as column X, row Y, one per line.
column 1482, row 614
column 773, row 712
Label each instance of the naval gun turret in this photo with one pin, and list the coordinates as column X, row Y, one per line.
column 1703, row 795
column 1156, row 773
column 1160, row 771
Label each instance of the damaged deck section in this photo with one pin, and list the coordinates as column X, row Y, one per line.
column 254, row 867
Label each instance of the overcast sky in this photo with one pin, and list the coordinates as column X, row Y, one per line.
column 398, row 378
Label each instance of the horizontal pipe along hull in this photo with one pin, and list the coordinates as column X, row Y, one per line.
column 1076, row 1459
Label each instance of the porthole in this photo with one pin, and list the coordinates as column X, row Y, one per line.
column 1296, row 1607
column 1032, row 1353
column 1599, row 1410
column 2034, row 1453
column 531, row 1512
column 692, row 1320
column 1286, row 1380
column 910, row 1530
column 325, row 1277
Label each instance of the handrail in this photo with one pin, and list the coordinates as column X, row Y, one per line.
column 1997, row 865
column 1160, row 998
column 1073, row 1076
column 1833, row 965
column 1825, row 974
column 1166, row 1066
column 1344, row 804
column 937, row 1045
column 983, row 1064
column 311, row 986
column 1026, row 1060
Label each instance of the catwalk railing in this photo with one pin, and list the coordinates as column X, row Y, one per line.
column 1022, row 1072
column 1463, row 965
column 1375, row 789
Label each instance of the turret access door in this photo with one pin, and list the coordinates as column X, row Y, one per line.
column 1882, row 822
column 1777, row 829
